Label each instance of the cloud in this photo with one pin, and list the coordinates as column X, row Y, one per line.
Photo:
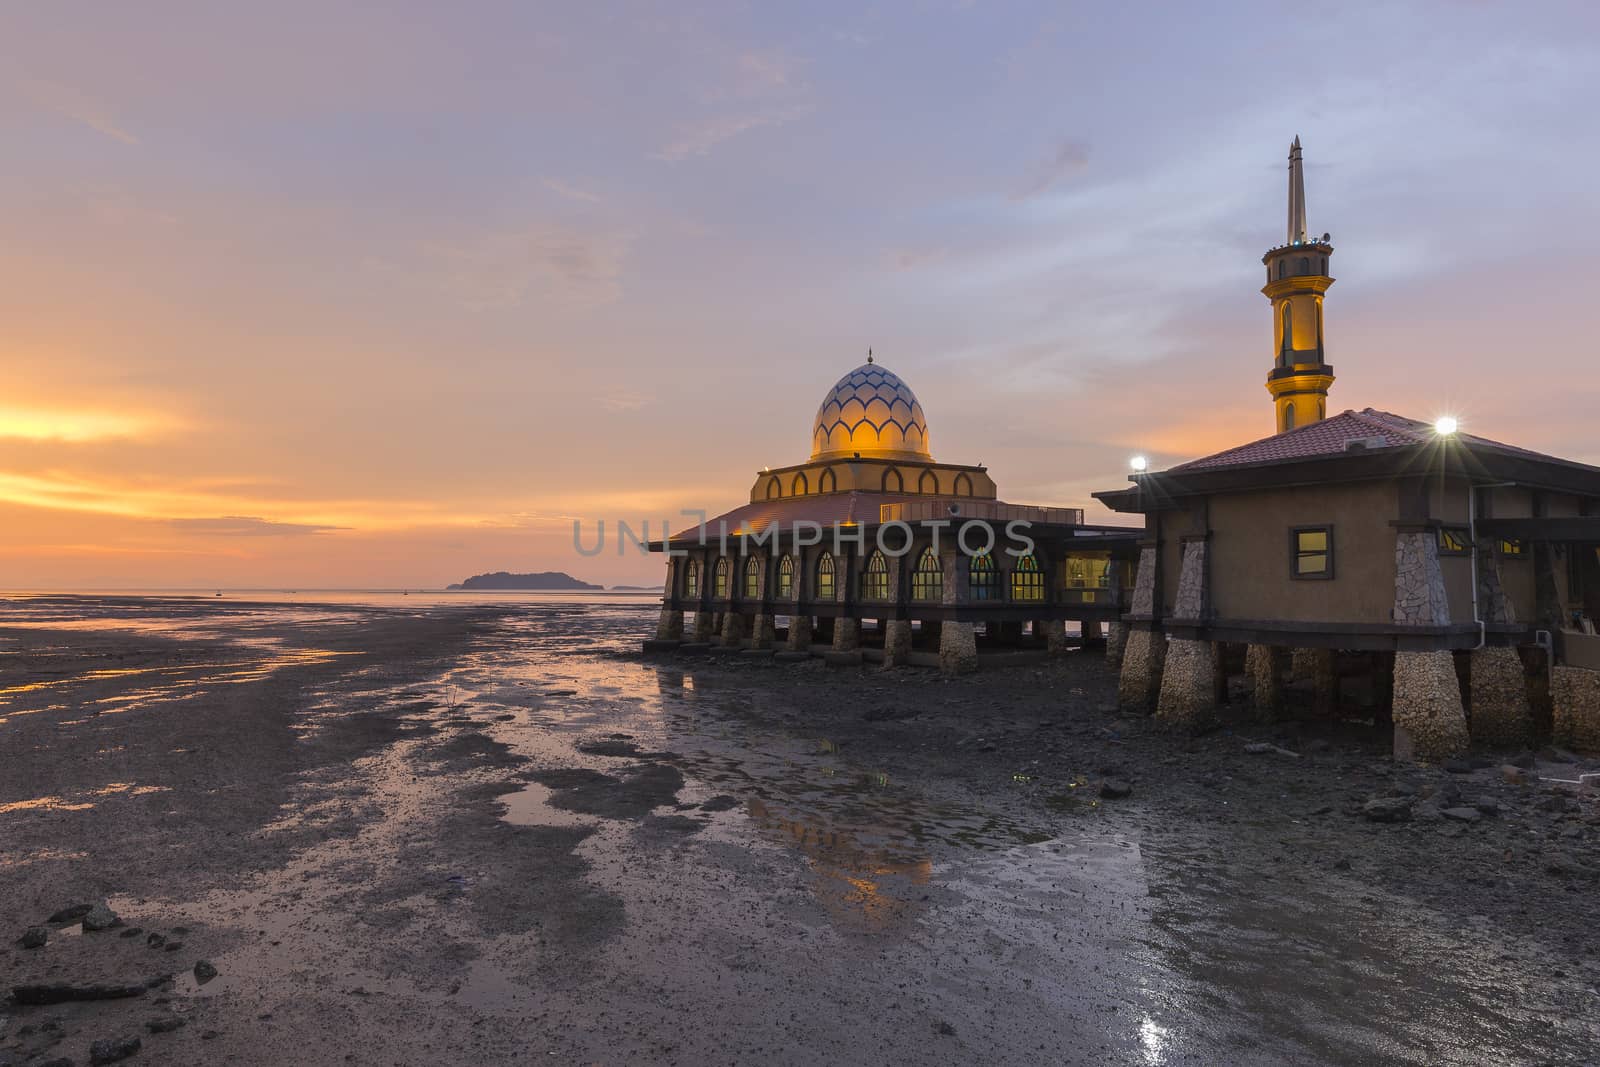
column 504, row 269
column 625, row 401
column 699, row 138
column 571, row 192
column 249, row 526
column 72, row 427
column 1069, row 158
column 75, row 105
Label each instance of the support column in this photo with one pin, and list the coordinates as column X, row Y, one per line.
column 1575, row 696
column 1145, row 649
column 1264, row 664
column 1116, row 641
column 735, row 625
column 799, row 633
column 704, row 626
column 846, row 634
column 762, row 628
column 670, row 626
column 896, row 642
column 1091, row 630
column 1428, row 719
column 1320, row 665
column 1054, row 632
column 958, row 644
column 1501, row 714
column 1188, row 680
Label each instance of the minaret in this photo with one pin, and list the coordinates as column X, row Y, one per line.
column 1297, row 276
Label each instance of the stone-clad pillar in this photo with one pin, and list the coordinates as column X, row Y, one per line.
column 734, row 628
column 1264, row 664
column 763, row 630
column 846, row 628
column 897, row 632
column 958, row 644
column 1091, row 630
column 1428, row 718
column 799, row 633
column 1145, row 648
column 1188, row 686
column 1321, row 665
column 1116, row 642
column 1501, row 714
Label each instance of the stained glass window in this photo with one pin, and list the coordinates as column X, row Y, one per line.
column 786, row 578
column 825, row 587
column 1027, row 580
column 720, row 579
column 875, row 582
column 983, row 581
column 927, row 581
column 752, row 578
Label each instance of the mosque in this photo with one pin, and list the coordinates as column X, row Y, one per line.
column 1401, row 568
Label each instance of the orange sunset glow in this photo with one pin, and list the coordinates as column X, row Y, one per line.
column 287, row 302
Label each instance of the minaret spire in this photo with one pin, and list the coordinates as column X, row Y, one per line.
column 1297, row 195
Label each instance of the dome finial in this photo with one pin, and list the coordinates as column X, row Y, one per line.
column 869, row 355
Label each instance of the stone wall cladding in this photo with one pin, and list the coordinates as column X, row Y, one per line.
column 1427, row 704
column 1188, row 684
column 764, row 631
column 1144, row 585
column 1140, row 682
column 1501, row 716
column 734, row 628
column 1055, row 634
column 704, row 626
column 1264, row 665
column 1575, row 694
column 958, row 648
column 1190, row 603
column 1419, row 597
column 1116, row 643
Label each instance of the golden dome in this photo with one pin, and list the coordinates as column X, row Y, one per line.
column 872, row 412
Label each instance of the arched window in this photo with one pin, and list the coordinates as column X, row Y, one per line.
column 983, row 581
column 786, row 578
column 875, row 581
column 1288, row 328
column 927, row 581
column 892, row 482
column 1305, row 265
column 1324, row 264
column 719, row 585
column 827, row 483
column 1288, row 416
column 691, row 579
column 800, row 486
column 752, row 577
column 963, row 485
column 1283, row 267
column 774, row 490
column 928, row 483
column 826, row 590
column 1027, row 580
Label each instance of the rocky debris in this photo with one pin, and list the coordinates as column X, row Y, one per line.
column 61, row 992
column 1387, row 809
column 34, row 937
column 165, row 1024
column 1262, row 748
column 720, row 802
column 1114, row 788
column 114, row 1049
column 59, row 1061
column 1462, row 814
column 132, row 931
column 204, row 971
column 70, row 914
column 156, row 940
column 100, row 917
column 1511, row 774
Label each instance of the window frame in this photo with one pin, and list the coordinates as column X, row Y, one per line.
column 832, row 572
column 786, row 577
column 1326, row 574
column 920, row 583
column 988, row 588
column 722, row 577
column 752, row 578
column 872, row 578
column 1462, row 537
column 691, row 580
column 1027, row 577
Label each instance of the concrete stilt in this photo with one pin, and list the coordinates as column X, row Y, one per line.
column 734, row 628
column 704, row 626
column 958, row 648
column 1575, row 714
column 1054, row 632
column 1140, row 683
column 1188, row 689
column 670, row 625
column 1116, row 641
column 763, row 632
column 1501, row 715
column 1320, row 666
column 1090, row 630
column 1428, row 720
column 846, row 635
column 799, row 633
column 896, row 642
column 1264, row 664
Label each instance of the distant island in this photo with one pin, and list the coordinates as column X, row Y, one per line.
column 542, row 580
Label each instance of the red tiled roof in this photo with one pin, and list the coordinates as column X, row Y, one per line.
column 1333, row 436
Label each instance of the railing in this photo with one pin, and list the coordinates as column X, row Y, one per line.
column 967, row 508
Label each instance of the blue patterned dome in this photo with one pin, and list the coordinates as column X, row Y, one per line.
column 873, row 412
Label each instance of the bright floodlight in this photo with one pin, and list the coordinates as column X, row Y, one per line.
column 1138, row 463
column 1445, row 426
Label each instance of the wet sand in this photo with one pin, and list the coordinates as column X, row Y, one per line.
column 495, row 834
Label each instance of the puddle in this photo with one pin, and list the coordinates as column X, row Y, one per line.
column 530, row 806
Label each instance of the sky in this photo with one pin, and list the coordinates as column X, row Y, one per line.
column 383, row 295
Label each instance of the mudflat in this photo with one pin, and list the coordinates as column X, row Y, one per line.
column 328, row 834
